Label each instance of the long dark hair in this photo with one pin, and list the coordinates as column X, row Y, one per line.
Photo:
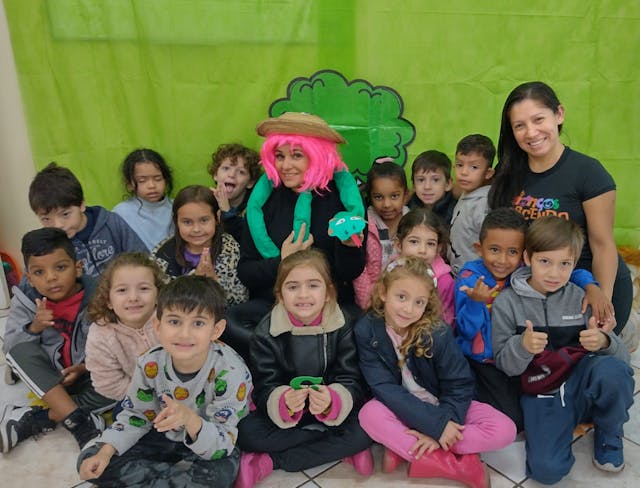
column 512, row 160
column 197, row 194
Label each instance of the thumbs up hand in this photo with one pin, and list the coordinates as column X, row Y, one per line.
column 533, row 341
column 592, row 338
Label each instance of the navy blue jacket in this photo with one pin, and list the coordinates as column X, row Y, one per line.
column 446, row 374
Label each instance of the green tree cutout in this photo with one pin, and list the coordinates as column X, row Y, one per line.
column 369, row 117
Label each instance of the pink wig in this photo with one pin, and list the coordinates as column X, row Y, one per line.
column 323, row 155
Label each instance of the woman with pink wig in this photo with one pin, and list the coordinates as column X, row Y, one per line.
column 305, row 185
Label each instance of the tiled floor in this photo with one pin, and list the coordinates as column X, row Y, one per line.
column 50, row 460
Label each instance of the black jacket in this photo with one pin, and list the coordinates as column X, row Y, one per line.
column 446, row 374
column 280, row 351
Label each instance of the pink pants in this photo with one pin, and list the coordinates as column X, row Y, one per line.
column 485, row 429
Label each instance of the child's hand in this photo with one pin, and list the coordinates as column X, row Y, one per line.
column 451, row 434
column 72, row 373
column 220, row 193
column 176, row 415
column 43, row 318
column 480, row 291
column 295, row 399
column 424, row 444
column 601, row 306
column 319, row 400
column 94, row 466
column 533, row 341
column 289, row 246
column 205, row 268
column 592, row 338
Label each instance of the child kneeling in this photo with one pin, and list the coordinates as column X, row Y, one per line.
column 570, row 370
column 184, row 401
column 298, row 426
column 423, row 410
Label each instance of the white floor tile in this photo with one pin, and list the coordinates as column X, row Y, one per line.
column 18, row 394
column 635, row 358
column 282, row 479
column 343, row 475
column 584, row 473
column 509, row 461
column 48, row 461
column 315, row 471
column 632, row 427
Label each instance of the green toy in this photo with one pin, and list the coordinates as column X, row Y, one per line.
column 345, row 225
column 300, row 382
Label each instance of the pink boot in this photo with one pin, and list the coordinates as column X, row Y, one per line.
column 254, row 466
column 362, row 462
column 466, row 468
column 390, row 461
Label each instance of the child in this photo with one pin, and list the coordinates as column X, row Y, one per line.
column 431, row 179
column 200, row 245
column 122, row 310
column 423, row 410
column 149, row 182
column 307, row 334
column 502, row 238
column 422, row 234
column 44, row 341
column 184, row 402
column 56, row 197
column 387, row 192
column 539, row 334
column 474, row 158
column 235, row 169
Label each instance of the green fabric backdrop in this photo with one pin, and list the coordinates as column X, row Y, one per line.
column 102, row 77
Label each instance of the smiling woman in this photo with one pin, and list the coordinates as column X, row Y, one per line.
column 302, row 192
column 538, row 175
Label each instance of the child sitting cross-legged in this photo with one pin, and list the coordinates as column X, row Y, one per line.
column 184, row 401
column 423, row 410
column 571, row 371
column 44, row 342
column 298, row 426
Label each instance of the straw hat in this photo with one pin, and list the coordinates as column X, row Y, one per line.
column 299, row 123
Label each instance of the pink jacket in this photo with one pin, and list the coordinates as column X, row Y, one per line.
column 363, row 284
column 111, row 353
column 446, row 287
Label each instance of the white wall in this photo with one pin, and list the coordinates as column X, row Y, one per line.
column 16, row 162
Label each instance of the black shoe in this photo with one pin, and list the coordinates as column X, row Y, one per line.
column 20, row 423
column 84, row 426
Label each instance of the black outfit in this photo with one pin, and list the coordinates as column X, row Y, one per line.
column 259, row 274
column 279, row 352
column 561, row 190
column 233, row 219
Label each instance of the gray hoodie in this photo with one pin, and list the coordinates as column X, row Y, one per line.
column 558, row 314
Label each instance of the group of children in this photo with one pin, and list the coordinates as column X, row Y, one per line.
column 451, row 356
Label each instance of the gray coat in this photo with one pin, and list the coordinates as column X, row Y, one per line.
column 558, row 314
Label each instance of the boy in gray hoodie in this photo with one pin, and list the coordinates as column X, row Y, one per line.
column 564, row 360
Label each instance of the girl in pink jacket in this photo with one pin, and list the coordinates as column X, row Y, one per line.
column 122, row 311
column 421, row 233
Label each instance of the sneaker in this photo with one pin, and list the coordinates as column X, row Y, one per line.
column 20, row 423
column 84, row 426
column 607, row 452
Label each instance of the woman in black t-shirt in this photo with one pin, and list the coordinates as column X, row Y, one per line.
column 538, row 175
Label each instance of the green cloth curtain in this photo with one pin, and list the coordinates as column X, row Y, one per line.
column 100, row 78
